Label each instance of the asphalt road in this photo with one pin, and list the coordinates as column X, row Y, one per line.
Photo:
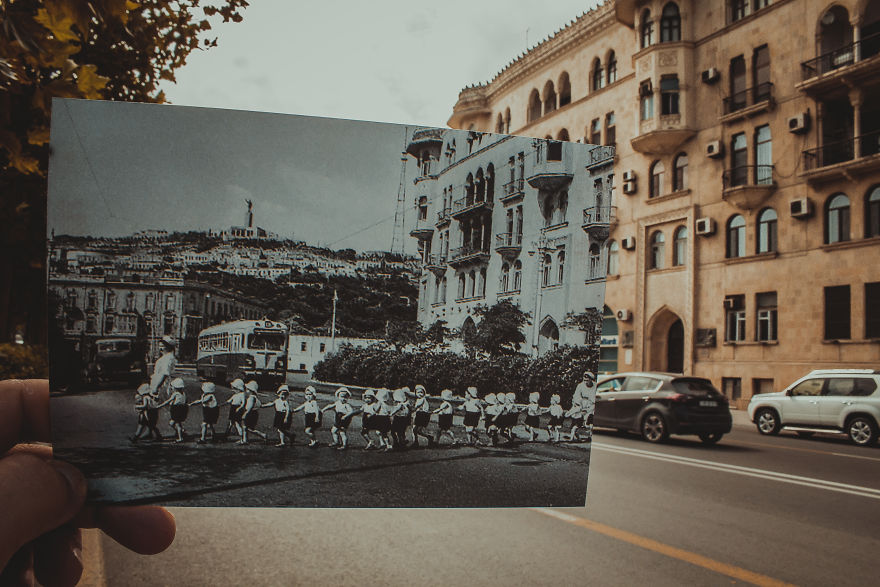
column 752, row 510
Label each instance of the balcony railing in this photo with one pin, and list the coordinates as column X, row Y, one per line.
column 435, row 262
column 465, row 252
column 748, row 97
column 444, row 215
column 467, row 204
column 841, row 57
column 600, row 215
column 747, row 175
column 507, row 240
column 513, row 188
column 842, row 151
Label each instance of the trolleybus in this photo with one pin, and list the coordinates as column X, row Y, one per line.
column 244, row 349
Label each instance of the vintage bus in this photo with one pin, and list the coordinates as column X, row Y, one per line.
column 244, row 349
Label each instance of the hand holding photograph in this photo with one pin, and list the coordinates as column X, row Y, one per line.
column 253, row 309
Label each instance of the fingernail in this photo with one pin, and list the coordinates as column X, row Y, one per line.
column 76, row 482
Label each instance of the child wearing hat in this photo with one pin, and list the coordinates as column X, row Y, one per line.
column 210, row 410
column 283, row 417
column 557, row 415
column 493, row 412
column 382, row 419
column 344, row 412
column 140, row 408
column 250, row 413
column 510, row 415
column 368, row 413
column 400, row 418
column 444, row 417
column 533, row 415
column 236, row 403
column 421, row 416
column 312, row 413
column 579, row 421
column 473, row 409
column 178, row 407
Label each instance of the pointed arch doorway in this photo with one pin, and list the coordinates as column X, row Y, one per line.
column 666, row 342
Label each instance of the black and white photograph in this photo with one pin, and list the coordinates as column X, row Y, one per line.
column 256, row 309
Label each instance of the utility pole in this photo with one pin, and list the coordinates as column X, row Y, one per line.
column 333, row 324
column 400, row 210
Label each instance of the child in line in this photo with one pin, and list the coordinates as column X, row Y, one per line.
column 283, row 417
column 235, row 403
column 493, row 414
column 210, row 410
column 511, row 414
column 557, row 415
column 382, row 419
column 444, row 417
column 533, row 415
column 250, row 413
column 143, row 421
column 473, row 409
column 368, row 423
column 177, row 406
column 344, row 412
column 581, row 419
column 421, row 416
column 312, row 414
column 400, row 418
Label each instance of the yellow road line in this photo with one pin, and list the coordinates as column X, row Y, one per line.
column 93, row 560
column 666, row 550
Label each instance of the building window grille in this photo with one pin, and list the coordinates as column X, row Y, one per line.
column 837, row 312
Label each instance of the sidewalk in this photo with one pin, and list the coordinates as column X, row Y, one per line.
column 741, row 418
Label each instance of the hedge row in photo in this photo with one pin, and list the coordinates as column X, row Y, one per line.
column 558, row 371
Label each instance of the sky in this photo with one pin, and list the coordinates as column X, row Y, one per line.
column 192, row 168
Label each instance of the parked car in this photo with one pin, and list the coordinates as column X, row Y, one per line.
column 659, row 404
column 830, row 400
column 116, row 359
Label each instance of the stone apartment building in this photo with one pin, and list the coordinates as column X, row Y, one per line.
column 747, row 177
column 505, row 218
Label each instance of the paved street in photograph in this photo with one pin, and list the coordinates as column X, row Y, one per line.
column 751, row 510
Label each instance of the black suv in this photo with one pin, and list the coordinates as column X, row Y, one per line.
column 659, row 404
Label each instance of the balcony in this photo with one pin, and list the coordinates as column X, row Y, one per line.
column 513, row 190
column 748, row 102
column 436, row 264
column 661, row 135
column 842, row 159
column 748, row 186
column 444, row 216
column 466, row 206
column 508, row 244
column 426, row 137
column 552, row 168
column 838, row 70
column 467, row 254
column 601, row 155
column 423, row 230
column 598, row 221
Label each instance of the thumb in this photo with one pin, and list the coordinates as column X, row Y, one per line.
column 38, row 495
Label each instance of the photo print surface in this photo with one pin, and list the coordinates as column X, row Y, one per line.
column 252, row 309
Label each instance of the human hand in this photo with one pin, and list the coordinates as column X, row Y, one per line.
column 43, row 500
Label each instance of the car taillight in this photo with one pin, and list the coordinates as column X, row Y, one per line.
column 678, row 397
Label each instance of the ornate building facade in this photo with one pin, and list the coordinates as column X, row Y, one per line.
column 747, row 177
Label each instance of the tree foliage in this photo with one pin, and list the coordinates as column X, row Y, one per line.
column 92, row 49
column 499, row 331
column 589, row 321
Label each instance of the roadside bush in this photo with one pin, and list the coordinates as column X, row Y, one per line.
column 558, row 371
column 18, row 361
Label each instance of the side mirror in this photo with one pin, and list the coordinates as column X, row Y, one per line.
column 788, row 392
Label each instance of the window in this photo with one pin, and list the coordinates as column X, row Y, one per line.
column 471, row 283
column 657, row 171
column 169, row 302
column 735, row 314
column 303, row 346
column 761, row 73
column 669, row 95
column 93, row 300
column 560, row 269
column 737, row 98
column 837, row 312
column 763, row 156
column 810, row 387
column 597, row 75
column 680, row 177
column 505, row 277
column 517, row 276
column 613, row 249
column 564, row 90
column 767, row 231
column 736, row 237
column 595, row 262
column 549, row 98
column 658, row 250
column 91, row 326
column 109, row 323
column 168, row 324
column 534, row 110
column 680, row 242
column 461, row 284
column 647, row 30
column 595, row 132
column 857, row 386
column 670, row 24
column 872, row 212
column 732, row 387
column 837, row 219
column 443, row 290
column 611, row 68
column 499, row 124
column 739, row 9
column 545, row 271
column 129, row 301
column 646, row 100
column 323, row 347
column 611, row 137
column 766, row 325
column 872, row 310
column 111, row 301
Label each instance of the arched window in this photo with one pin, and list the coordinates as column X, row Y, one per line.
column 505, row 277
column 436, row 290
column 471, row 282
column 549, row 98
column 499, row 124
column 680, row 179
column 872, row 212
column 560, row 268
column 545, row 271
column 517, row 275
column 658, row 250
column 564, row 89
column 736, row 237
column 507, row 120
column 595, row 262
column 657, row 171
column 680, row 245
column 563, row 135
column 481, row 283
column 443, row 290
column 611, row 68
column 534, row 111
column 461, row 284
column 597, row 75
column 480, row 187
column 647, row 29
column 490, row 183
column 613, row 249
column 670, row 24
column 767, row 231
column 837, row 219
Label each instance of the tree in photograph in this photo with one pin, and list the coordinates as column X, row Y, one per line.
column 437, row 333
column 499, row 331
column 589, row 321
column 402, row 333
column 93, row 49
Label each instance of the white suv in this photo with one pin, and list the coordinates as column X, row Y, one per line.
column 828, row 400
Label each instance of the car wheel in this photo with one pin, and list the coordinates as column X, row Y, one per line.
column 767, row 422
column 711, row 437
column 862, row 430
column 805, row 433
column 654, row 427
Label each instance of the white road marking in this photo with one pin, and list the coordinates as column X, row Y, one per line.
column 746, row 471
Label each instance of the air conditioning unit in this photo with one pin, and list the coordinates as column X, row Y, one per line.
column 629, row 187
column 799, row 124
column 711, row 75
column 705, row 226
column 624, row 315
column 801, row 207
column 629, row 175
column 628, row 243
column 715, row 149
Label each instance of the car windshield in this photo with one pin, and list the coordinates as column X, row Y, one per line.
column 700, row 387
column 272, row 341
